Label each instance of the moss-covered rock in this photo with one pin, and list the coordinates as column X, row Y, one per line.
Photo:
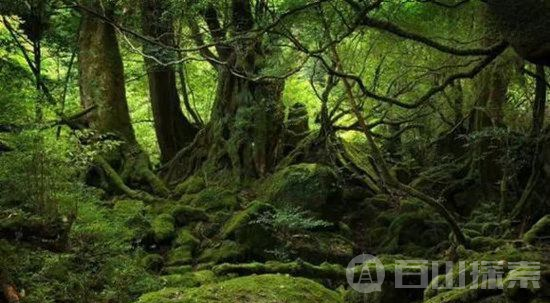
column 163, row 228
column 243, row 218
column 539, row 231
column 191, row 185
column 310, row 186
column 212, row 198
column 251, row 236
column 184, row 214
column 253, row 289
column 185, row 238
column 514, row 290
column 418, row 230
column 465, row 295
column 182, row 255
column 226, row 251
column 322, row 246
column 182, row 269
column 153, row 262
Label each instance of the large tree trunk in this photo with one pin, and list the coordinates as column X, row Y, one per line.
column 102, row 76
column 173, row 129
column 490, row 96
column 102, row 85
column 247, row 117
column 246, row 125
column 526, row 26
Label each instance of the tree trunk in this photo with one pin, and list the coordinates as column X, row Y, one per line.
column 490, row 95
column 247, row 117
column 102, row 76
column 526, row 26
column 102, row 85
column 174, row 131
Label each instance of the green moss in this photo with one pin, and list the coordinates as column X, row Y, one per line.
column 464, row 295
column 163, row 228
column 185, row 238
column 538, row 231
column 257, row 289
column 128, row 208
column 152, row 262
column 191, row 185
column 322, row 246
column 189, row 279
column 215, row 198
column 180, row 256
column 185, row 214
column 514, row 290
column 227, row 251
column 310, row 186
column 242, row 219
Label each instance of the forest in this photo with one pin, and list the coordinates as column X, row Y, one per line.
column 202, row 151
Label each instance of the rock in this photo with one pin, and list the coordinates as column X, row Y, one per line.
column 321, row 246
column 256, row 289
column 312, row 187
column 539, row 231
column 163, row 228
column 253, row 237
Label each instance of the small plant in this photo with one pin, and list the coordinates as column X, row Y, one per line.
column 289, row 220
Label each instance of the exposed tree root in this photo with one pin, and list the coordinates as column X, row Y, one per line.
column 187, row 161
column 118, row 182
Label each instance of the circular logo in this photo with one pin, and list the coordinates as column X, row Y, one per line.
column 365, row 274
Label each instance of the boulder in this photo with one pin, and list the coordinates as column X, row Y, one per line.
column 312, row 187
column 257, row 289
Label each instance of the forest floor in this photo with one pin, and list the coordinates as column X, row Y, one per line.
column 288, row 238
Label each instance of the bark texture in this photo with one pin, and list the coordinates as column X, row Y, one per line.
column 247, row 117
column 102, row 76
column 174, row 131
column 102, row 87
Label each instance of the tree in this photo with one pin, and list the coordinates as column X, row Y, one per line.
column 174, row 131
column 247, row 116
column 526, row 25
column 102, row 86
